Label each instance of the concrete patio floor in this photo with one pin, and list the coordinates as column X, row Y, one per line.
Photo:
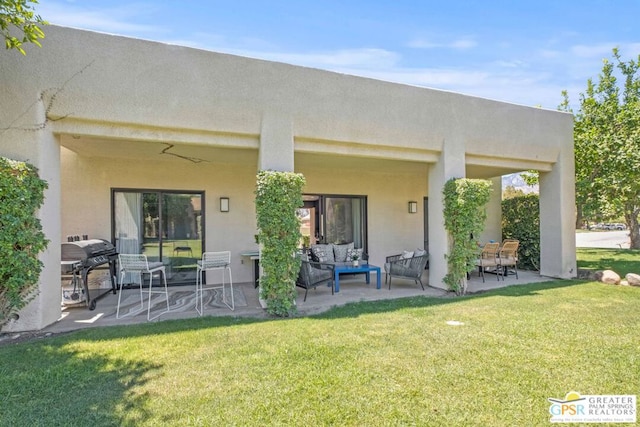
column 182, row 303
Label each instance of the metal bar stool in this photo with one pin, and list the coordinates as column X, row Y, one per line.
column 138, row 264
column 213, row 261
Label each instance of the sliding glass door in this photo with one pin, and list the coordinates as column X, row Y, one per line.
column 164, row 225
column 335, row 219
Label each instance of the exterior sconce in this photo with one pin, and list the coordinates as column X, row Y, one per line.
column 224, row 204
column 413, row 207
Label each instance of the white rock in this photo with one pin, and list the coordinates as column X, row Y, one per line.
column 633, row 279
column 610, row 277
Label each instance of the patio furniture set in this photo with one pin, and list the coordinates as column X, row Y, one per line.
column 139, row 265
column 323, row 265
column 497, row 258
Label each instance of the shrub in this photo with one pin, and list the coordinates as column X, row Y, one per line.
column 521, row 221
column 278, row 195
column 21, row 236
column 464, row 217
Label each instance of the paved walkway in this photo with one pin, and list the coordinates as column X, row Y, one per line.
column 603, row 239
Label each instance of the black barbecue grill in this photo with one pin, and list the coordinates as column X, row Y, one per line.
column 82, row 256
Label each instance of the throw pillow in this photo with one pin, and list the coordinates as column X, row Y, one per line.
column 419, row 252
column 340, row 252
column 407, row 254
column 322, row 253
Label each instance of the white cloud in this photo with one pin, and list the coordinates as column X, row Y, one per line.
column 601, row 50
column 463, row 43
column 364, row 58
column 112, row 20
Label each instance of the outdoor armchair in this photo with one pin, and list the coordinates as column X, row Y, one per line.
column 313, row 274
column 406, row 268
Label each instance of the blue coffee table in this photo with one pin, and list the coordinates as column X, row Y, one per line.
column 347, row 267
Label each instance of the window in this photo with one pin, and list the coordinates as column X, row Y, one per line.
column 166, row 226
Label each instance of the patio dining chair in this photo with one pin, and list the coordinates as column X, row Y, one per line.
column 138, row 264
column 509, row 256
column 489, row 258
column 212, row 261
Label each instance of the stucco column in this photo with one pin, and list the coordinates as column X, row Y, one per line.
column 276, row 142
column 451, row 164
column 40, row 148
column 493, row 224
column 557, row 219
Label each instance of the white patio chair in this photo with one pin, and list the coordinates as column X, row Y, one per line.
column 213, row 261
column 138, row 264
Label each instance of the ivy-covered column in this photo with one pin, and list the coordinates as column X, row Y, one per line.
column 278, row 195
column 451, row 164
column 465, row 213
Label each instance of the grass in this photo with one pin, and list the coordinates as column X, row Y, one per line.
column 383, row 363
column 394, row 362
column 622, row 261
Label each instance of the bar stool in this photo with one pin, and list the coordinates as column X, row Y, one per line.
column 138, row 264
column 213, row 261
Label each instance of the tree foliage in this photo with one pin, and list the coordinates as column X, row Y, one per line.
column 19, row 24
column 21, row 236
column 607, row 145
column 521, row 221
column 464, row 218
column 278, row 196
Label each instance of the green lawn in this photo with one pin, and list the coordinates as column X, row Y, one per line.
column 366, row 364
column 622, row 261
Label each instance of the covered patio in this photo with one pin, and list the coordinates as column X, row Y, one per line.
column 352, row 289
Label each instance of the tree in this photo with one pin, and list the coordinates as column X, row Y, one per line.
column 19, row 24
column 510, row 192
column 607, row 145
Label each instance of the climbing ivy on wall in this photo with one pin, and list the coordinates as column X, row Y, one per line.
column 464, row 219
column 21, row 236
column 278, row 195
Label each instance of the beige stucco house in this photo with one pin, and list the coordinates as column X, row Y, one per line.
column 140, row 140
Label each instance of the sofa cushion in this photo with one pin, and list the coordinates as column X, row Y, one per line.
column 407, row 255
column 340, row 252
column 322, row 253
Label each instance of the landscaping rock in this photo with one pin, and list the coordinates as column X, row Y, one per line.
column 623, row 282
column 608, row 276
column 633, row 279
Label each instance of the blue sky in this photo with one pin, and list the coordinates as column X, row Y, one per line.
column 525, row 52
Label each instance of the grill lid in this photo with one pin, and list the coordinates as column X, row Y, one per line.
column 83, row 249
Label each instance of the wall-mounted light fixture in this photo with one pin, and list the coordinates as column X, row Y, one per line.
column 224, row 204
column 413, row 207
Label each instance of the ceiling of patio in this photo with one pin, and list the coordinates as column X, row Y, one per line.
column 156, row 150
column 317, row 161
